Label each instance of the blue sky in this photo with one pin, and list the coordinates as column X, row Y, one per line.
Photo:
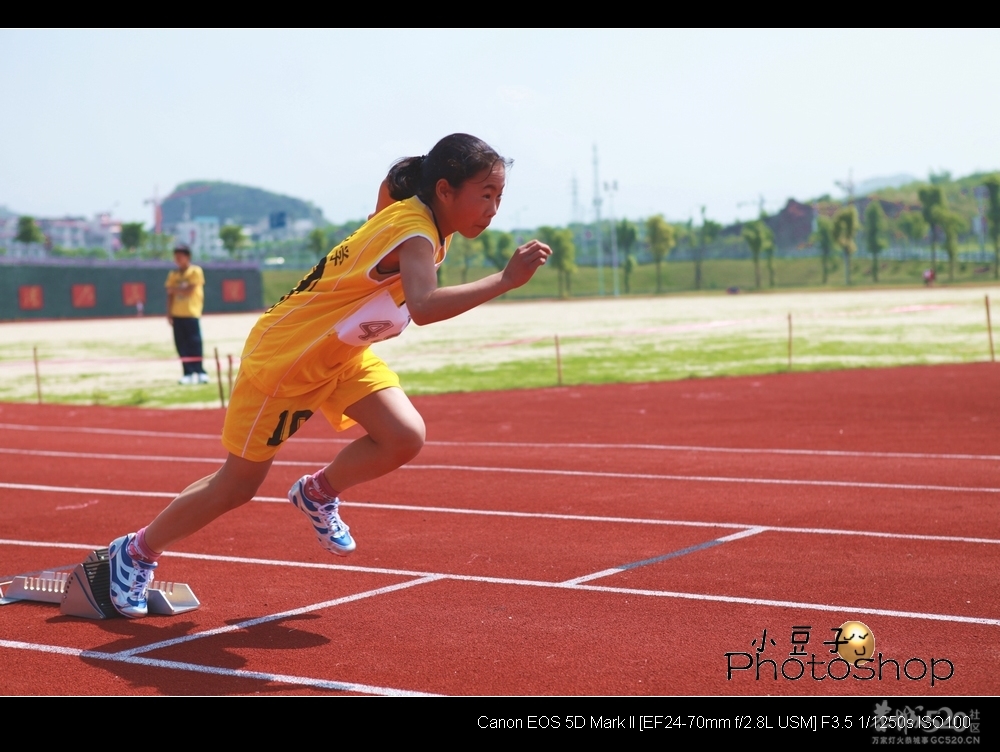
column 95, row 119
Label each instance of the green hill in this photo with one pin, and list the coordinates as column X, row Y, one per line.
column 233, row 204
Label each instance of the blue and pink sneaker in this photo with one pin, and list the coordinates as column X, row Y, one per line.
column 333, row 534
column 130, row 579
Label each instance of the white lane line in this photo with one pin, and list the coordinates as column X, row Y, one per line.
column 304, row 681
column 794, row 604
column 743, row 534
column 72, row 489
column 233, row 559
column 539, row 515
column 536, row 444
column 282, row 678
column 719, row 450
column 702, row 478
column 541, row 471
column 564, row 586
column 57, row 649
column 665, row 557
column 118, row 432
column 277, row 617
column 108, row 456
column 733, row 599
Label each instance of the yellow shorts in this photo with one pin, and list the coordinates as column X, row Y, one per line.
column 257, row 425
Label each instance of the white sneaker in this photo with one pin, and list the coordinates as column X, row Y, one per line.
column 188, row 379
column 130, row 579
column 203, row 378
column 333, row 534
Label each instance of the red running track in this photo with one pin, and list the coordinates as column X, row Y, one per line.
column 607, row 540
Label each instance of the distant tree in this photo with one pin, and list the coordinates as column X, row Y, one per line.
column 708, row 231
column 952, row 223
column 628, row 267
column 661, row 239
column 931, row 198
column 759, row 238
column 626, row 234
column 466, row 251
column 845, row 228
column 992, row 184
column 875, row 229
column 158, row 245
column 823, row 237
column 232, row 238
column 317, row 242
column 939, row 178
column 625, row 237
column 769, row 253
column 28, row 231
column 563, row 255
column 133, row 235
column 336, row 234
column 497, row 248
column 913, row 226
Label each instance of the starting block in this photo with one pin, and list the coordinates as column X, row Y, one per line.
column 86, row 591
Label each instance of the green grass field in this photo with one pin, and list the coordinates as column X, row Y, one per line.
column 691, row 336
column 510, row 344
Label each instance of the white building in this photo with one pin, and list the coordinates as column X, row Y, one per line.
column 103, row 231
column 201, row 235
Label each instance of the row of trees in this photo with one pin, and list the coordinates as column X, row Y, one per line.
column 935, row 217
column 841, row 232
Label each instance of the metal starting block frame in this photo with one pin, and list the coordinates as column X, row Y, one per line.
column 86, row 591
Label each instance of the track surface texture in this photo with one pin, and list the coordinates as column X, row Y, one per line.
column 606, row 540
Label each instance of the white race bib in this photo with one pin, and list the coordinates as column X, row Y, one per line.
column 377, row 320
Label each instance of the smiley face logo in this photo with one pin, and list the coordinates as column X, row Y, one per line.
column 859, row 642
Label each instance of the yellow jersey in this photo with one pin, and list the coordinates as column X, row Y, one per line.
column 346, row 303
column 188, row 289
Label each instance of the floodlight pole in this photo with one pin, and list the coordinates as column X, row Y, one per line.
column 610, row 189
column 597, row 227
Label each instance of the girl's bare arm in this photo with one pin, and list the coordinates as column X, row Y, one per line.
column 428, row 303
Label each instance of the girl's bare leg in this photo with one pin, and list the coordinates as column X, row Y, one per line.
column 395, row 436
column 233, row 485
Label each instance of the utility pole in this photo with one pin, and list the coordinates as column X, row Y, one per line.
column 612, row 188
column 597, row 227
column 576, row 201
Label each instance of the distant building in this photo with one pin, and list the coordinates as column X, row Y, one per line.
column 67, row 232
column 8, row 227
column 277, row 227
column 793, row 225
column 796, row 222
column 71, row 233
column 201, row 235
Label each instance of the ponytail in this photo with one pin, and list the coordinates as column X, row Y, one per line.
column 455, row 158
column 404, row 177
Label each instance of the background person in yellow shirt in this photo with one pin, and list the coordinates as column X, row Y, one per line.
column 185, row 301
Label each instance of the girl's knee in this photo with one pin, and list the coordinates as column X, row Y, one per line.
column 238, row 481
column 409, row 439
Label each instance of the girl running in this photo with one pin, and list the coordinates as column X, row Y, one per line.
column 310, row 352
